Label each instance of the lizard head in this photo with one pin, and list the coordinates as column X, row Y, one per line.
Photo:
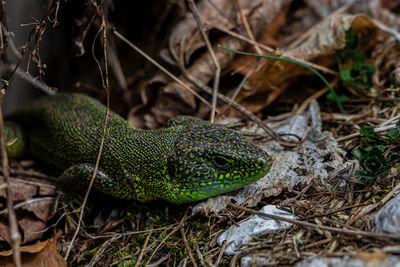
column 209, row 160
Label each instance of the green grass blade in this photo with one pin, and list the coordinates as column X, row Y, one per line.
column 339, row 104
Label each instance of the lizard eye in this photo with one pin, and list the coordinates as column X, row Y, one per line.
column 220, row 162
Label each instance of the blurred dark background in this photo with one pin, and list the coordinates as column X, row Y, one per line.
column 71, row 67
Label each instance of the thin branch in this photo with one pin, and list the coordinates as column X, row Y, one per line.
column 391, row 193
column 221, row 252
column 247, row 27
column 37, row 83
column 161, row 260
column 389, row 30
column 26, row 202
column 100, row 252
column 222, row 14
column 133, row 233
column 390, row 121
column 34, row 35
column 15, row 236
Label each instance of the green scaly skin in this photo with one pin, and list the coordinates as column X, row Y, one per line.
column 190, row 160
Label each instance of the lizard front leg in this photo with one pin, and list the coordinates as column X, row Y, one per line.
column 76, row 179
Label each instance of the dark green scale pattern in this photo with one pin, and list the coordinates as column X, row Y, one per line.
column 188, row 161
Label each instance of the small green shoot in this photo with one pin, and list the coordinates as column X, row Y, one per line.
column 354, row 72
column 332, row 91
column 372, row 161
column 341, row 98
column 377, row 154
column 371, row 138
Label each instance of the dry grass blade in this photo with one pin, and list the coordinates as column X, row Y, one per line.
column 210, row 49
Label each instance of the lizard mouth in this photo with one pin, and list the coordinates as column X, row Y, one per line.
column 214, row 188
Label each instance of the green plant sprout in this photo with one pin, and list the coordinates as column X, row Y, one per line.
column 354, row 72
column 377, row 154
column 332, row 91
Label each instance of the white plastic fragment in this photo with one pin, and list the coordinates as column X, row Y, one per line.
column 387, row 220
column 246, row 231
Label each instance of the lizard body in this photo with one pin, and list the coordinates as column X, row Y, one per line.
column 188, row 161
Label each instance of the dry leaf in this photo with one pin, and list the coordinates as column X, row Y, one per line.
column 43, row 254
column 33, row 207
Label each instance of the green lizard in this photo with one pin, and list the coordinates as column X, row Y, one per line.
column 190, row 160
